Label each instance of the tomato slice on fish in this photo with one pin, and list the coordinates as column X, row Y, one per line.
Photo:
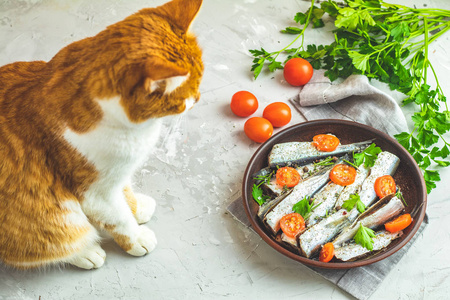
column 399, row 223
column 343, row 174
column 288, row 177
column 325, row 142
column 327, row 252
column 384, row 185
column 292, row 224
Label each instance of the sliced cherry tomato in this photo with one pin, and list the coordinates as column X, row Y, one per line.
column 325, row 142
column 298, row 71
column 399, row 224
column 287, row 176
column 343, row 174
column 327, row 252
column 278, row 113
column 384, row 185
column 292, row 224
column 258, row 129
column 243, row 104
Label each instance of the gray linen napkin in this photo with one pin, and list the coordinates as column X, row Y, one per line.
column 353, row 99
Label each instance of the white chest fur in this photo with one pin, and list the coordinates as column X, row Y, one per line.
column 116, row 147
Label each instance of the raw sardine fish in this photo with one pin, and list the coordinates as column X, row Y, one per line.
column 361, row 175
column 321, row 233
column 353, row 251
column 385, row 164
column 305, row 188
column 324, row 231
column 324, row 202
column 381, row 212
column 302, row 153
column 305, row 172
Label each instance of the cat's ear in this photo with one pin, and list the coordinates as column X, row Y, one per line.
column 160, row 72
column 181, row 12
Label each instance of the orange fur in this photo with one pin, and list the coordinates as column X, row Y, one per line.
column 41, row 175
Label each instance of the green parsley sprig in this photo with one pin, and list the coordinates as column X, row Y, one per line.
column 258, row 194
column 354, row 200
column 257, row 191
column 304, row 207
column 367, row 156
column 364, row 237
column 390, row 43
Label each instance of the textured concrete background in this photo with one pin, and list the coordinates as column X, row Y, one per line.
column 198, row 166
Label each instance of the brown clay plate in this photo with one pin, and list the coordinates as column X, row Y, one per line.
column 408, row 177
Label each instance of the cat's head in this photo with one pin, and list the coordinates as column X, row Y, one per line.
column 159, row 68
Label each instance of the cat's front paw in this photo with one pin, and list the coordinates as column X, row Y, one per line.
column 146, row 242
column 145, row 207
column 92, row 257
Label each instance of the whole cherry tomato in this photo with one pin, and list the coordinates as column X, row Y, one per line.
column 258, row 129
column 278, row 113
column 243, row 104
column 298, row 71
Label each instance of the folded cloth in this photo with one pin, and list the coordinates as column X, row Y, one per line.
column 359, row 282
column 353, row 99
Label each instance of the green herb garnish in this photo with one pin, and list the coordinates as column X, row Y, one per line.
column 351, row 164
column 400, row 195
column 264, row 178
column 364, row 237
column 258, row 194
column 325, row 162
column 367, row 156
column 387, row 42
column 354, row 200
column 304, row 207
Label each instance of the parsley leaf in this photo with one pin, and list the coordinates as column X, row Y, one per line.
column 355, row 200
column 304, row 207
column 368, row 156
column 258, row 195
column 364, row 237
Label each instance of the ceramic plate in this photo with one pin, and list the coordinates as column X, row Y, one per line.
column 408, row 177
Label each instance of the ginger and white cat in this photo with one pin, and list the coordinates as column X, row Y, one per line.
column 73, row 131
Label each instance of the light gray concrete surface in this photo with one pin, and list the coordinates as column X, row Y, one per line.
column 203, row 253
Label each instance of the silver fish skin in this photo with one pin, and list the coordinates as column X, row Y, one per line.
column 353, row 251
column 324, row 202
column 355, row 187
column 305, row 188
column 385, row 164
column 302, row 153
column 378, row 214
column 321, row 233
column 269, row 205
